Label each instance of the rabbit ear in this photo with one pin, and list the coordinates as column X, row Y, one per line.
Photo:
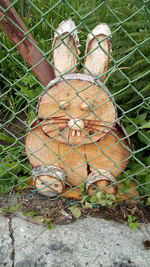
column 96, row 62
column 65, row 44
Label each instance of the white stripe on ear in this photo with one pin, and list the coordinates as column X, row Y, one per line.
column 66, row 48
column 97, row 60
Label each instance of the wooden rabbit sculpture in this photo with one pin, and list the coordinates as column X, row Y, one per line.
column 76, row 138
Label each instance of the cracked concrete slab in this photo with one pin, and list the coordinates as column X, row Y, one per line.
column 5, row 243
column 87, row 242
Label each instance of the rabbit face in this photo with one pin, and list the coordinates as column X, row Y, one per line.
column 76, row 112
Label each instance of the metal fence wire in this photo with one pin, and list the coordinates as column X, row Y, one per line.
column 74, row 114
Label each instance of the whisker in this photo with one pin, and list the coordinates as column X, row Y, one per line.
column 47, row 118
column 51, row 124
column 55, row 130
column 104, row 126
column 94, row 129
column 100, row 125
column 50, row 131
column 98, row 121
column 57, row 118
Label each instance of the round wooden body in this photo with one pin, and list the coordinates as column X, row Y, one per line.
column 107, row 154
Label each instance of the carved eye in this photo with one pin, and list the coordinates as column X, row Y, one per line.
column 63, row 105
column 84, row 106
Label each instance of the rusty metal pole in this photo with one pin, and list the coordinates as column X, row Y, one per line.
column 26, row 43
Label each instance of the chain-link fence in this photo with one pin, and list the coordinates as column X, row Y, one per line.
column 76, row 138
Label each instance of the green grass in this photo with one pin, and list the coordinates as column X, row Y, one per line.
column 128, row 79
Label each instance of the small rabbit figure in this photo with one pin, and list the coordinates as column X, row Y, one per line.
column 76, row 138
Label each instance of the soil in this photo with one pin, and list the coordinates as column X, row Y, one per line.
column 35, row 207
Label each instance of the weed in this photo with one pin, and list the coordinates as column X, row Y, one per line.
column 75, row 210
column 11, row 210
column 132, row 222
column 100, row 197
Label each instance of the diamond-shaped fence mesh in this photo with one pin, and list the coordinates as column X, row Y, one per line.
column 71, row 135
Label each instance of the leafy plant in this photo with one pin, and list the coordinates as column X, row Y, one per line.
column 132, row 222
column 49, row 224
column 14, row 170
column 75, row 210
column 39, row 218
column 30, row 213
column 100, row 197
column 11, row 210
column 148, row 201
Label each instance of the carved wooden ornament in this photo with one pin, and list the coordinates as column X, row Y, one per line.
column 76, row 133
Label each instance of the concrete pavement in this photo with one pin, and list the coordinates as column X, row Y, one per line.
column 87, row 242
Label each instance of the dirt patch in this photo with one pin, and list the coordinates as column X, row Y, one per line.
column 58, row 210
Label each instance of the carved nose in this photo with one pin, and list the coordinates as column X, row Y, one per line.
column 76, row 124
